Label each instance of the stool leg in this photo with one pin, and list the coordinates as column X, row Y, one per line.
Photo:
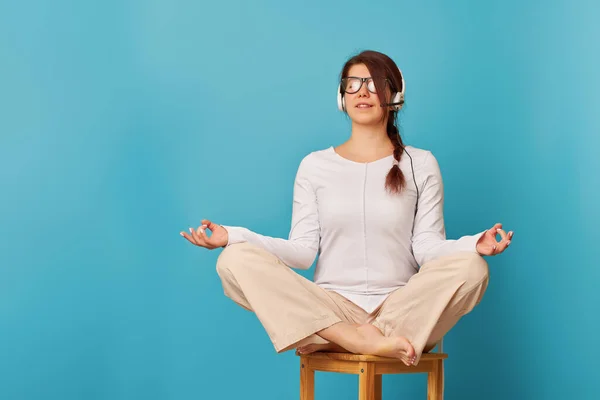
column 366, row 381
column 378, row 387
column 435, row 381
column 307, row 380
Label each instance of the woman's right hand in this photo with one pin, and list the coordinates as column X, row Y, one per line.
column 219, row 237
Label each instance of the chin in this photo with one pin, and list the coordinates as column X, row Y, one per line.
column 366, row 119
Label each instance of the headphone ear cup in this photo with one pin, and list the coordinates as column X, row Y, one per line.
column 399, row 97
column 340, row 100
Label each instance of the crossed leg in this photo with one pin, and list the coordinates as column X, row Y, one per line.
column 293, row 309
column 429, row 305
column 434, row 299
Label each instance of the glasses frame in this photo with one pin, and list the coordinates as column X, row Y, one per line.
column 362, row 80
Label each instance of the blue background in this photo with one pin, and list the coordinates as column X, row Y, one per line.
column 124, row 122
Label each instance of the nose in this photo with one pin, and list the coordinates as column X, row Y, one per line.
column 363, row 92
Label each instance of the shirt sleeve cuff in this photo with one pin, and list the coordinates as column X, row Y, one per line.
column 470, row 242
column 235, row 234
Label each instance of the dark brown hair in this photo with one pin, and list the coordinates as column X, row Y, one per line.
column 381, row 68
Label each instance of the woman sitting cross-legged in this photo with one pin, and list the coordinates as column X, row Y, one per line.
column 387, row 281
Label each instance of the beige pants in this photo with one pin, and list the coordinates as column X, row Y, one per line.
column 292, row 309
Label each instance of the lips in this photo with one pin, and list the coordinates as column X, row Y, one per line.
column 364, row 105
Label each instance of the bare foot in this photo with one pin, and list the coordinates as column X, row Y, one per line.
column 394, row 347
column 368, row 339
column 314, row 347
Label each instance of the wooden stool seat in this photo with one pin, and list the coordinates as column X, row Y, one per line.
column 369, row 369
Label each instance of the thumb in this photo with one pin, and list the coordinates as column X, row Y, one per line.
column 494, row 229
column 210, row 225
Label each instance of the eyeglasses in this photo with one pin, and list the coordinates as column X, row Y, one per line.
column 352, row 84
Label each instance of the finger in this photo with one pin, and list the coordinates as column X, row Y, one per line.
column 200, row 230
column 197, row 238
column 494, row 230
column 188, row 237
column 494, row 248
column 502, row 246
column 203, row 235
column 502, row 235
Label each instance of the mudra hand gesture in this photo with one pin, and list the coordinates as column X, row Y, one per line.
column 219, row 237
column 487, row 244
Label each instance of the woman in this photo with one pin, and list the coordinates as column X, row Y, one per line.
column 387, row 282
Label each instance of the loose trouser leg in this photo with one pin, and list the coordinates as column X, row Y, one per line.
column 290, row 307
column 434, row 299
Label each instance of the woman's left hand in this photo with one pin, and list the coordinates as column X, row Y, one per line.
column 487, row 244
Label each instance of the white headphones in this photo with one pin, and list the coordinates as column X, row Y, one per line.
column 397, row 98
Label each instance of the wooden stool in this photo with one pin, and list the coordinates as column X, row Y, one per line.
column 369, row 369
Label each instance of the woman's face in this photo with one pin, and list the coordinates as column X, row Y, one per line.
column 363, row 107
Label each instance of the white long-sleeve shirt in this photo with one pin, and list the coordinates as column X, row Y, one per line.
column 368, row 242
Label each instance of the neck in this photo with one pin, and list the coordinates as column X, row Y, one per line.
column 369, row 140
